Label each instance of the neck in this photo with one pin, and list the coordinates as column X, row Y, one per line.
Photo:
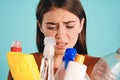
column 57, row 60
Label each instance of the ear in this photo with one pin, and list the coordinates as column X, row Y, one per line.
column 82, row 24
column 40, row 27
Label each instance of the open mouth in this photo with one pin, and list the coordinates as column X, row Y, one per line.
column 61, row 45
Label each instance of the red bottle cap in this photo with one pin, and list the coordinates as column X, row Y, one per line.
column 16, row 46
column 15, row 49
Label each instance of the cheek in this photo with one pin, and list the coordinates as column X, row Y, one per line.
column 73, row 37
column 46, row 32
column 49, row 33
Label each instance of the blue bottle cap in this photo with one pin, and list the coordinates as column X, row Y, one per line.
column 69, row 55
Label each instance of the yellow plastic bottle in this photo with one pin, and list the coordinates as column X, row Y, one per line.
column 22, row 66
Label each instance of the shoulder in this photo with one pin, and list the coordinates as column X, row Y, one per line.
column 90, row 62
column 38, row 57
column 91, row 59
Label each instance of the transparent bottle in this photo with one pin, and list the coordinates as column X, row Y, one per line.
column 69, row 55
column 107, row 68
column 47, row 64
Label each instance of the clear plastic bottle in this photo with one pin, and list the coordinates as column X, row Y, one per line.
column 47, row 64
column 69, row 55
column 107, row 68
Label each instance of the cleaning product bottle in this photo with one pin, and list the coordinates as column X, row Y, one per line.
column 76, row 70
column 80, row 59
column 69, row 55
column 107, row 68
column 47, row 63
column 22, row 66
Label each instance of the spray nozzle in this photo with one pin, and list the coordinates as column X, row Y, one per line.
column 69, row 55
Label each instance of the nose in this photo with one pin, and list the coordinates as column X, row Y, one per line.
column 61, row 32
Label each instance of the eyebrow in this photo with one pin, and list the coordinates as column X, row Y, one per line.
column 68, row 22
column 53, row 23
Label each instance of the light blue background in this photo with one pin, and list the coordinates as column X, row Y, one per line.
column 17, row 22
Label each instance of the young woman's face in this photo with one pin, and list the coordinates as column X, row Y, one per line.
column 62, row 25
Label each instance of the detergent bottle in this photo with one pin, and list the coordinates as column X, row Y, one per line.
column 47, row 63
column 22, row 66
column 69, row 55
column 108, row 67
column 76, row 70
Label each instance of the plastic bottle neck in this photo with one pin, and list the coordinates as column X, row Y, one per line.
column 16, row 46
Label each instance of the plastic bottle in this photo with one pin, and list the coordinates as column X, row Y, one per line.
column 22, row 66
column 69, row 55
column 107, row 68
column 80, row 59
column 47, row 64
column 76, row 70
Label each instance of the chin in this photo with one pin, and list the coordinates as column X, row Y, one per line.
column 60, row 52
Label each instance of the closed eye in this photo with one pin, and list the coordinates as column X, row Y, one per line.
column 52, row 28
column 69, row 26
column 51, row 25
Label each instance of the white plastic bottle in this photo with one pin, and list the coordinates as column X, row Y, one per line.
column 69, row 55
column 47, row 64
column 107, row 68
column 76, row 70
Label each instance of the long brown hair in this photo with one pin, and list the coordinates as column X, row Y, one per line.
column 73, row 6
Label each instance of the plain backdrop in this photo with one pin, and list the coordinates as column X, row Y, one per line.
column 18, row 22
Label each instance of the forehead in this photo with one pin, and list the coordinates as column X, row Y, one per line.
column 59, row 14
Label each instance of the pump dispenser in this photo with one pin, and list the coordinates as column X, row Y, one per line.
column 47, row 64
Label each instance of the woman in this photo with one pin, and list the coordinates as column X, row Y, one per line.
column 66, row 21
